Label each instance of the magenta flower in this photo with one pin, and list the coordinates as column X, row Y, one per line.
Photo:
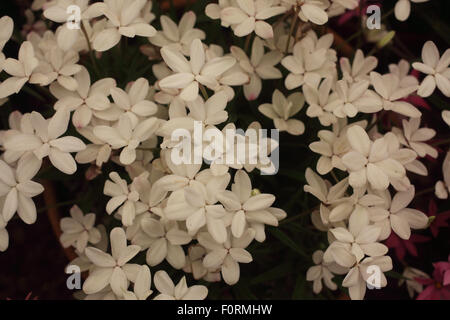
column 401, row 246
column 440, row 220
column 438, row 287
column 348, row 15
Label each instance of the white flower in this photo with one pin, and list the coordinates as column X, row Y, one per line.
column 133, row 102
column 124, row 197
column 18, row 188
column 360, row 240
column 178, row 36
column 18, row 123
column 321, row 102
column 394, row 215
column 248, row 209
column 441, row 191
column 21, row 70
column 436, row 68
column 353, row 98
column 359, row 277
column 310, row 62
column 403, row 8
column 359, row 69
column 353, row 206
column 194, row 265
column 388, row 87
column 125, row 135
column 190, row 74
column 47, row 141
column 57, row 11
column 82, row 261
column 147, row 13
column 38, row 4
column 141, row 289
column 370, row 161
column 112, row 269
column 200, row 211
column 446, row 117
column 333, row 145
column 124, row 19
column 87, row 100
column 58, row 66
column 280, row 40
column 93, row 28
column 402, row 71
column 4, row 237
column 311, row 10
column 213, row 10
column 322, row 272
column 168, row 291
column 414, row 137
column 411, row 284
column 249, row 15
column 282, row 109
column 166, row 241
column 78, row 230
column 407, row 157
column 235, row 76
column 261, row 65
column 314, row 11
column 322, row 190
column 98, row 151
column 210, row 112
column 105, row 294
column 443, row 187
column 228, row 255
column 7, row 28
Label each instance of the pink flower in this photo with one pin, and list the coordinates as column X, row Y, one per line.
column 348, row 15
column 438, row 288
column 401, row 246
column 28, row 297
column 440, row 220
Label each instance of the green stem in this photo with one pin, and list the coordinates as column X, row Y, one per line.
column 440, row 143
column 387, row 14
column 334, row 176
column 247, row 43
column 57, row 205
column 424, row 192
column 358, row 33
column 204, row 93
column 291, row 31
column 33, row 93
column 284, row 17
column 298, row 216
column 91, row 52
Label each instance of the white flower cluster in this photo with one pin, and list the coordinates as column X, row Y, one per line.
column 167, row 206
column 201, row 218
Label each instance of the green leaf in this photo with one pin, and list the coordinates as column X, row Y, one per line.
column 300, row 286
column 284, row 238
column 395, row 275
column 242, row 292
column 439, row 26
column 278, row 272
